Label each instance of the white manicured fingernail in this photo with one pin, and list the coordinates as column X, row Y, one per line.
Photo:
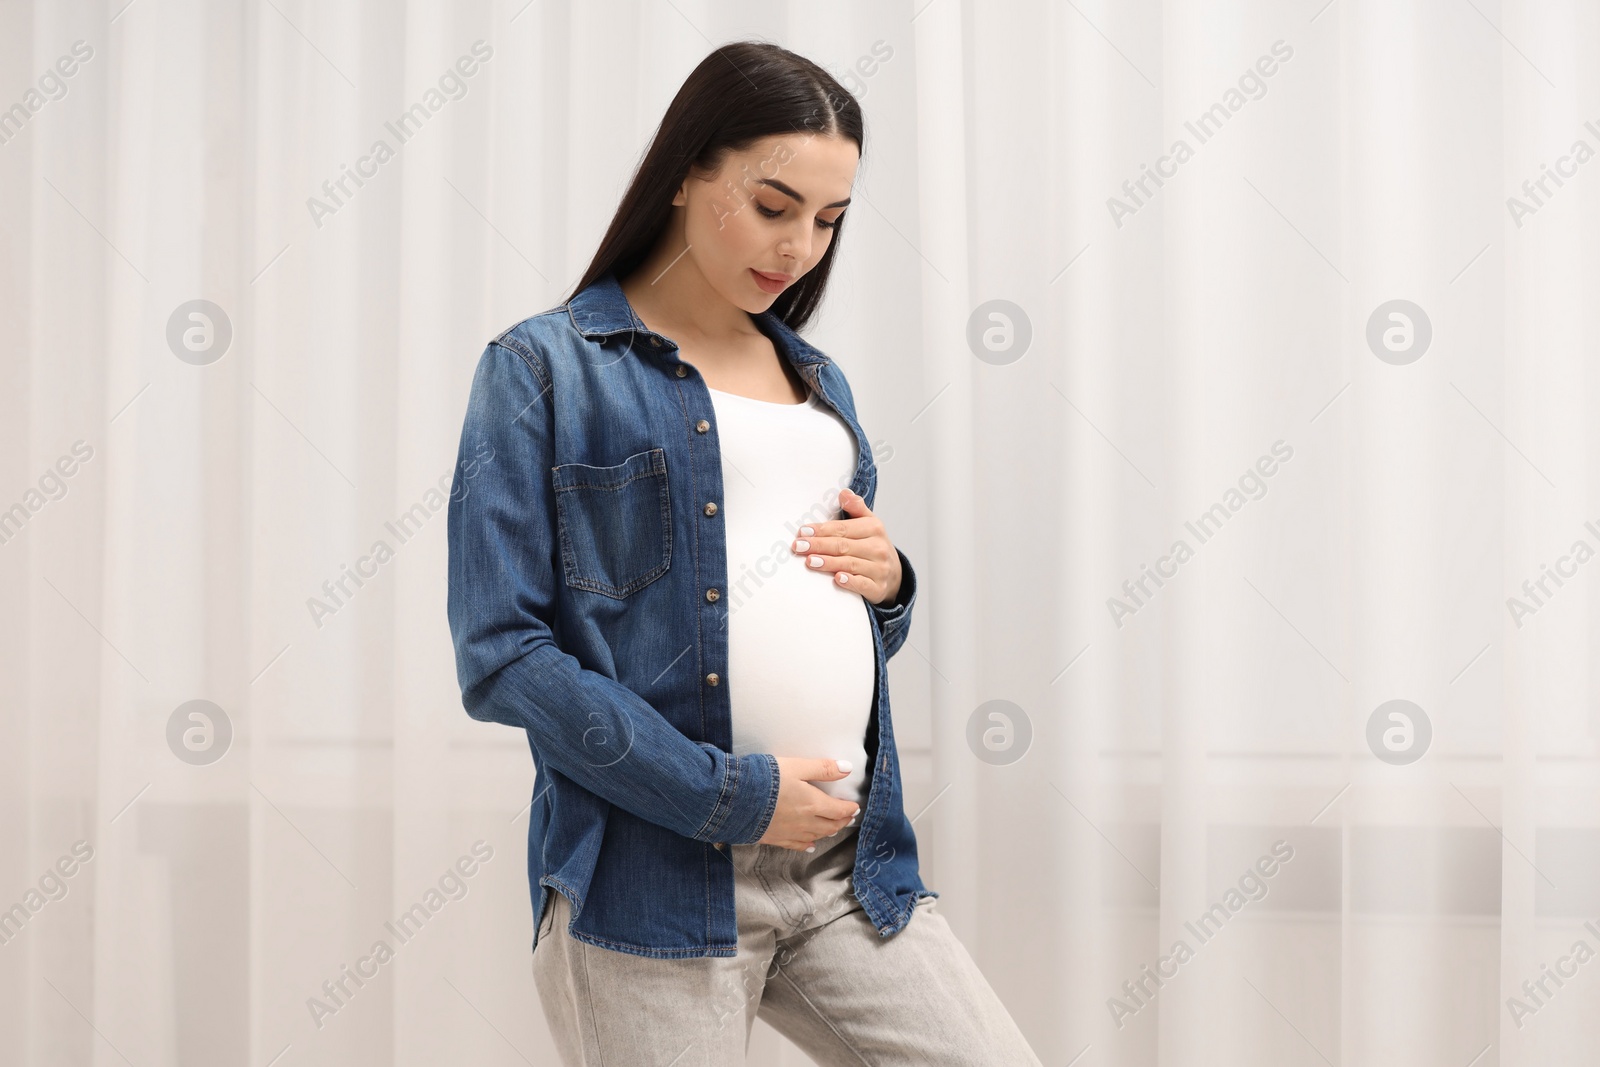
column 814, row 561
column 845, row 765
column 802, row 546
column 813, row 848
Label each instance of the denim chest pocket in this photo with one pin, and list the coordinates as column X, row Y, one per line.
column 614, row 523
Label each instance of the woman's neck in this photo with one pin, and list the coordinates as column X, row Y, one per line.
column 673, row 298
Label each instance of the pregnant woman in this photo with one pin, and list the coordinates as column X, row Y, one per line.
column 665, row 568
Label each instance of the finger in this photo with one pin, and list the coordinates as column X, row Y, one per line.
column 858, row 526
column 852, row 505
column 861, row 562
column 828, row 768
column 825, row 561
column 828, row 828
column 851, row 576
column 874, row 549
column 858, row 575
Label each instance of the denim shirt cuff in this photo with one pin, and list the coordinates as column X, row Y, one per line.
column 749, row 800
column 893, row 612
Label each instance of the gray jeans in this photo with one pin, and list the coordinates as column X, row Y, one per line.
column 809, row 962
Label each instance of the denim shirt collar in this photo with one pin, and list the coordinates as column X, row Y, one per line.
column 602, row 309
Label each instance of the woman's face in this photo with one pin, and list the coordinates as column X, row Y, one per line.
column 770, row 210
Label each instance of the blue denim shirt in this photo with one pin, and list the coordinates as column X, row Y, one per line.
column 587, row 568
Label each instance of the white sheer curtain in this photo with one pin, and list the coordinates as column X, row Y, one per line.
column 1359, row 275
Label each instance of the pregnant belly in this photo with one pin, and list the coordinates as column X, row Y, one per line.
column 801, row 668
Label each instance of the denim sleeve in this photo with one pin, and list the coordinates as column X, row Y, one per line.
column 501, row 603
column 894, row 617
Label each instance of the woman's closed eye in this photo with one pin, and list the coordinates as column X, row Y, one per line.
column 822, row 224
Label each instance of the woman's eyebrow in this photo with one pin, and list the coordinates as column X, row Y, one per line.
column 784, row 189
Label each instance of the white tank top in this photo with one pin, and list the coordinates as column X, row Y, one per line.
column 801, row 664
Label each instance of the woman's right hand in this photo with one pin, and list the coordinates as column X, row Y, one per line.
column 805, row 813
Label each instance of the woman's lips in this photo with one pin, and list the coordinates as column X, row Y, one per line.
column 771, row 283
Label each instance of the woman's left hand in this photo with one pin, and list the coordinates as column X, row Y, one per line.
column 856, row 550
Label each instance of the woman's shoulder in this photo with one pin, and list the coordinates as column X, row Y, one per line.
column 539, row 334
column 591, row 316
column 832, row 373
column 801, row 350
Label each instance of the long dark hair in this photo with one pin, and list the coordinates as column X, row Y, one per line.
column 740, row 93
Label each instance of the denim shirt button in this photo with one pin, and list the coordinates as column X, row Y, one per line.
column 683, row 372
column 703, row 425
column 719, row 846
column 712, row 595
column 712, row 679
column 655, row 342
column 711, row 508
